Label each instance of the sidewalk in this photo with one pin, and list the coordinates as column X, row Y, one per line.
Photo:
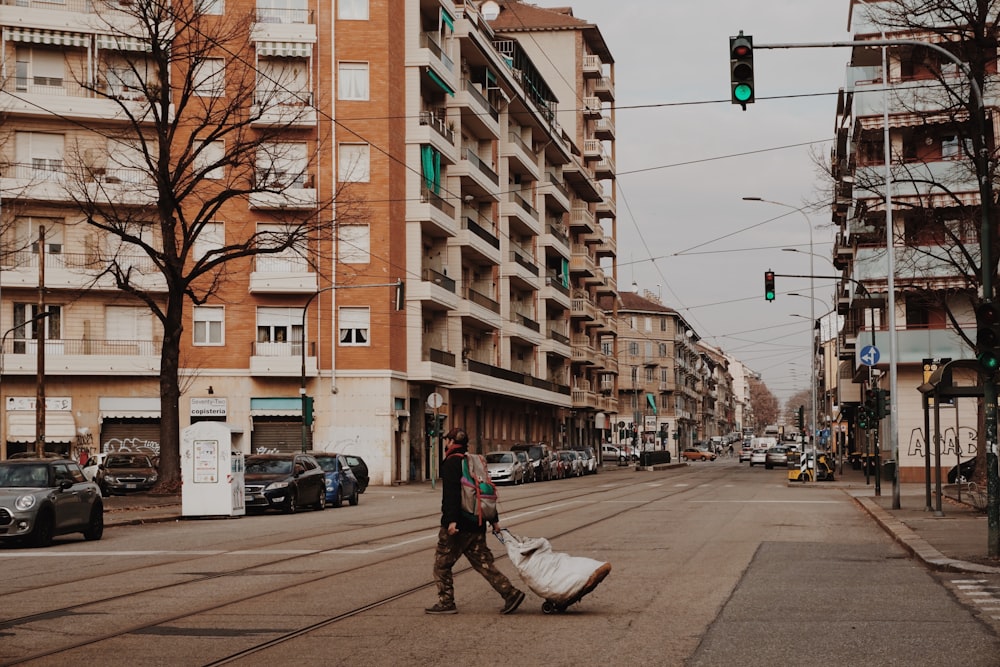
column 954, row 540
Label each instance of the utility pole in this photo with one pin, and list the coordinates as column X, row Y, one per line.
column 40, row 350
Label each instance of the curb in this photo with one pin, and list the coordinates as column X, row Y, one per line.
column 916, row 545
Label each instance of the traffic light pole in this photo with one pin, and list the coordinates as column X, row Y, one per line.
column 986, row 234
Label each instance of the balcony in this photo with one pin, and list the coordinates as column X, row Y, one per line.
column 555, row 291
column 584, row 309
column 434, row 289
column 604, row 129
column 478, row 178
column 438, row 132
column 277, row 274
column 521, row 155
column 478, row 113
column 604, row 90
column 592, row 108
column 435, row 214
column 297, row 111
column 606, row 208
column 592, row 150
column 582, row 181
column 297, row 194
column 524, row 216
column 581, row 220
column 556, row 236
column 282, row 359
column 79, row 270
column 55, row 181
column 279, row 28
column 67, row 99
column 480, row 240
column 522, row 267
column 581, row 262
column 556, row 193
column 592, row 67
column 66, row 357
column 605, row 167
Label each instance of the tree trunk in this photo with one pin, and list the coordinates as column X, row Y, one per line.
column 170, row 463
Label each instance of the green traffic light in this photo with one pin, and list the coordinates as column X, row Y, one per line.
column 988, row 361
column 742, row 92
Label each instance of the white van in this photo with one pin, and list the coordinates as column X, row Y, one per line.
column 610, row 453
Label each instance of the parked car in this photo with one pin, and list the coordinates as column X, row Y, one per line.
column 91, row 466
column 745, row 454
column 504, row 467
column 776, row 456
column 695, row 454
column 33, row 455
column 42, row 498
column 526, row 465
column 570, row 462
column 284, row 481
column 123, row 472
column 758, row 456
column 589, row 461
column 968, row 469
column 360, row 469
column 541, row 459
column 340, row 480
column 611, row 453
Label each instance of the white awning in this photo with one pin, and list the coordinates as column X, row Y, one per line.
column 122, row 43
column 284, row 49
column 912, row 120
column 275, row 412
column 59, row 426
column 130, row 414
column 52, row 37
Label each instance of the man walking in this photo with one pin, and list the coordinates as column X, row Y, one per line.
column 462, row 535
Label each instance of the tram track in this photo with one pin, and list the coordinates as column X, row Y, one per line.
column 548, row 502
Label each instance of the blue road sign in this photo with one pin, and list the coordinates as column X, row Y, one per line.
column 869, row 355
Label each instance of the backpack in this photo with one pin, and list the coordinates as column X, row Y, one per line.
column 479, row 493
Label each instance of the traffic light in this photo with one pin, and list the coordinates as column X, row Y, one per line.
column 871, row 401
column 864, row 418
column 801, row 417
column 882, row 404
column 741, row 69
column 769, row 285
column 988, row 336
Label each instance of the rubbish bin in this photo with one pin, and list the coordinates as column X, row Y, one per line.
column 889, row 469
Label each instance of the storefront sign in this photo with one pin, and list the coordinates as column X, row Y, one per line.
column 28, row 403
column 209, row 407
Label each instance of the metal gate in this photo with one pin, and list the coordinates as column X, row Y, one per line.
column 130, row 435
column 278, row 436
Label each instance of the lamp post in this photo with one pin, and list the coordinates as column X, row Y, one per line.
column 812, row 314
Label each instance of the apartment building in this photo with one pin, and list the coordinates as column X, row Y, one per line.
column 934, row 211
column 668, row 384
column 470, row 235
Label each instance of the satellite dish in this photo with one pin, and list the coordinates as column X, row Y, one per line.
column 490, row 10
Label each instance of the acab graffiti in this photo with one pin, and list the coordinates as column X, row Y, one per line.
column 960, row 442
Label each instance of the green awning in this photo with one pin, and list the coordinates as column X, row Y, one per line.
column 652, row 402
column 439, row 81
column 447, row 20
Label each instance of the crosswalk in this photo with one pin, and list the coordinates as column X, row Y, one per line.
column 981, row 593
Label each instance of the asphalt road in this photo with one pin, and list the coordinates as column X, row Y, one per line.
column 713, row 564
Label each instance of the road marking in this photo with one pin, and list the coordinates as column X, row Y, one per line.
column 766, row 502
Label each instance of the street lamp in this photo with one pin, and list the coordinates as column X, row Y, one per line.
column 812, row 314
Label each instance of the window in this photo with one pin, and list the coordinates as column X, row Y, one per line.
column 355, row 244
column 353, row 10
column 289, row 260
column 354, row 324
column 128, row 323
column 353, row 164
column 43, row 152
column 26, row 325
column 663, row 350
column 279, row 331
column 648, row 322
column 282, row 82
column 650, row 373
column 26, row 230
column 210, row 154
column 39, row 68
column 126, row 162
column 209, row 325
column 211, row 6
column 353, row 79
column 211, row 237
column 633, row 348
column 209, row 78
column 124, row 83
column 282, row 166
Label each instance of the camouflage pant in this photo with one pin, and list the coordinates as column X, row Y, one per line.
column 473, row 545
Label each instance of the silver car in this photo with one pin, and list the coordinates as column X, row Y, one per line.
column 505, row 468
column 42, row 498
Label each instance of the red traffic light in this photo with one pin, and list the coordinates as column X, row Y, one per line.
column 741, row 49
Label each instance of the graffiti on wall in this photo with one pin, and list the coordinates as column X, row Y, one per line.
column 960, row 442
column 131, row 445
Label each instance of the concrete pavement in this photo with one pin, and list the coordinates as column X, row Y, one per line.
column 954, row 539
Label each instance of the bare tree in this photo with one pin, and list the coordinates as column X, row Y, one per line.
column 201, row 135
column 765, row 405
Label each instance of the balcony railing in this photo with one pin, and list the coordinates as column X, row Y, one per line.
column 439, row 124
column 429, row 41
column 484, row 169
column 87, row 347
column 78, row 261
column 282, row 349
column 482, row 233
column 438, row 278
column 483, row 300
column 474, row 93
column 282, row 15
column 437, row 201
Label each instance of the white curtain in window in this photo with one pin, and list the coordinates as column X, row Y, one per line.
column 353, row 163
column 355, row 244
column 211, row 237
column 353, row 10
column 290, row 260
column 353, row 81
column 210, row 154
column 209, row 78
column 128, row 323
column 282, row 81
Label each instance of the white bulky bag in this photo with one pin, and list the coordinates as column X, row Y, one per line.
column 550, row 575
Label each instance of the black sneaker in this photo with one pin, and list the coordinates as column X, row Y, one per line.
column 441, row 608
column 512, row 602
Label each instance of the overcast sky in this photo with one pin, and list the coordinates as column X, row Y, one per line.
column 686, row 157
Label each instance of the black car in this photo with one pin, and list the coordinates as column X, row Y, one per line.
column 360, row 469
column 283, row 481
column 968, row 469
column 123, row 472
column 42, row 498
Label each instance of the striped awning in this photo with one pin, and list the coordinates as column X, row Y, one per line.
column 122, row 43
column 285, row 49
column 912, row 120
column 60, row 426
column 51, row 37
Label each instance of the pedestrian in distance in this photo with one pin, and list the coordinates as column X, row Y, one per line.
column 460, row 535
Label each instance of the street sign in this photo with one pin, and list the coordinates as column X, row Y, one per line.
column 869, row 355
column 435, row 401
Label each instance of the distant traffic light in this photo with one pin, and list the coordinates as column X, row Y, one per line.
column 864, row 419
column 988, row 336
column 801, row 417
column 741, row 69
column 769, row 285
column 882, row 404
